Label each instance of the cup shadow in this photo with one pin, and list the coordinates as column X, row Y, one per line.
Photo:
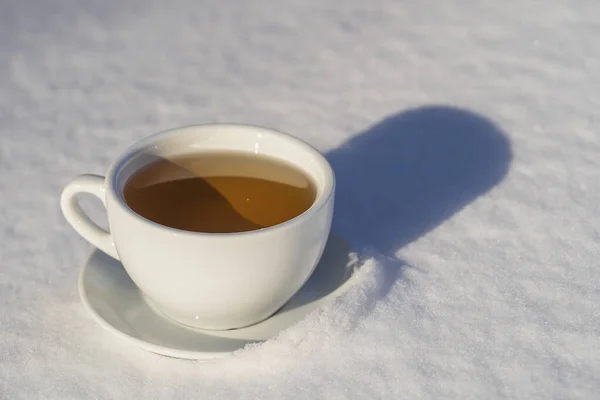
column 407, row 174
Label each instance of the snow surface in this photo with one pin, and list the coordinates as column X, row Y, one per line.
column 465, row 138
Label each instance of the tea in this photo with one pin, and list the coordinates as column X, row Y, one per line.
column 219, row 192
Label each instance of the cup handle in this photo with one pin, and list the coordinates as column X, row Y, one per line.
column 88, row 229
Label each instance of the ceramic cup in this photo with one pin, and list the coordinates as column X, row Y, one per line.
column 206, row 280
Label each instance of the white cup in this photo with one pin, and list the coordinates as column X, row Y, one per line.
column 209, row 280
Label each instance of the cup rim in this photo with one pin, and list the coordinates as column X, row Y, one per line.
column 321, row 201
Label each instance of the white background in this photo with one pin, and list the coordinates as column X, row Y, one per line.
column 465, row 139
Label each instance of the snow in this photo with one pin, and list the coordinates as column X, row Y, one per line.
column 464, row 137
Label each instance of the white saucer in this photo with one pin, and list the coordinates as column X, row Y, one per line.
column 117, row 305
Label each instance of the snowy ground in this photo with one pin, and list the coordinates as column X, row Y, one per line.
column 465, row 139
